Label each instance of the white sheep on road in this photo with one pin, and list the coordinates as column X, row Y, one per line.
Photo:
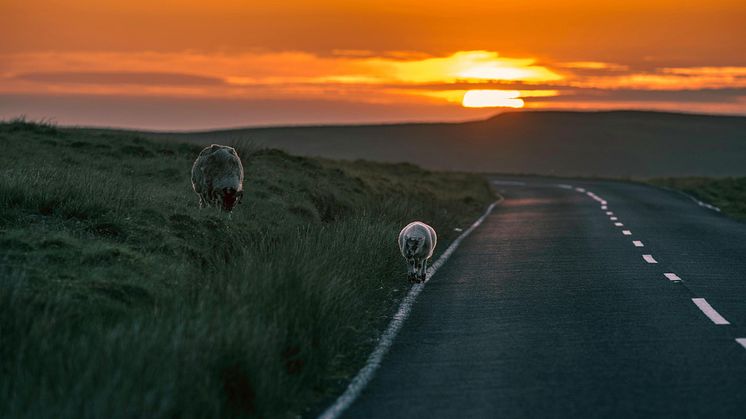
column 417, row 242
column 217, row 177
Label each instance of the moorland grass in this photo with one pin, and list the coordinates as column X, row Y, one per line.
column 120, row 298
column 728, row 194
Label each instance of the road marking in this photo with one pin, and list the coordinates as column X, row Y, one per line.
column 700, row 203
column 618, row 224
column 637, row 243
column 708, row 206
column 604, row 207
column 597, row 199
column 613, row 218
column 672, row 277
column 580, row 190
column 626, row 232
column 649, row 259
column 709, row 311
column 564, row 186
column 742, row 341
column 366, row 374
column 609, row 213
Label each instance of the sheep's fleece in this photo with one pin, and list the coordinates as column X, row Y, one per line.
column 217, row 177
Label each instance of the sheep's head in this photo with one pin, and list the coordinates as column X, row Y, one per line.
column 228, row 198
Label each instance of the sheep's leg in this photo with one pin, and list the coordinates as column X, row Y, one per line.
column 412, row 271
column 423, row 270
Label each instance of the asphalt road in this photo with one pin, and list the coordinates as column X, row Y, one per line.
column 549, row 309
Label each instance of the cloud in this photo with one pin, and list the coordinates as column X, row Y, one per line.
column 735, row 72
column 592, row 65
column 669, row 78
column 353, row 76
column 289, row 67
column 704, row 96
column 107, row 78
column 394, row 79
column 353, row 53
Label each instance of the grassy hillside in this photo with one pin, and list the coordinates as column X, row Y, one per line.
column 120, row 298
column 629, row 144
column 728, row 194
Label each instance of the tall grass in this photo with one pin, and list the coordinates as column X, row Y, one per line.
column 728, row 193
column 120, row 298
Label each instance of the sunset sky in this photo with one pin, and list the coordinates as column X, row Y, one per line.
column 196, row 64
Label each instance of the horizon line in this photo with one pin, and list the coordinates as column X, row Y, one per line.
column 51, row 121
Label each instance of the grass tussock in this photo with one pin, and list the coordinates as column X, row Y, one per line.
column 122, row 299
column 728, row 194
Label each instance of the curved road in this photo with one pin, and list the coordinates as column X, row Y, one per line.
column 551, row 309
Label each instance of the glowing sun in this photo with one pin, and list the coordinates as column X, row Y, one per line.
column 492, row 98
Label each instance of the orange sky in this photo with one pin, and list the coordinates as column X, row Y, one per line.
column 198, row 64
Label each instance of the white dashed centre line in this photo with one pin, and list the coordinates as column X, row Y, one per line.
column 709, row 311
column 618, row 224
column 638, row 243
column 742, row 341
column 580, row 189
column 604, row 207
column 626, row 232
column 613, row 218
column 672, row 276
column 609, row 213
column 649, row 259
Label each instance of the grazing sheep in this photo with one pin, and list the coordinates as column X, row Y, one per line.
column 217, row 177
column 417, row 242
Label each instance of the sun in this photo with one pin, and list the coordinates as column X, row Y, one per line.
column 492, row 99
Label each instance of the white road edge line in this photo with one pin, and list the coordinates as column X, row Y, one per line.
column 742, row 341
column 708, row 206
column 649, row 259
column 637, row 243
column 697, row 201
column 700, row 203
column 672, row 277
column 709, row 311
column 626, row 232
column 366, row 373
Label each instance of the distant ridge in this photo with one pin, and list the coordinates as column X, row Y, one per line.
column 615, row 112
column 569, row 143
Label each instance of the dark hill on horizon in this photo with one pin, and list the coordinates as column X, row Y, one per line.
column 612, row 144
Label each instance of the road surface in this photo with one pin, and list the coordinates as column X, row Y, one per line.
column 560, row 306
